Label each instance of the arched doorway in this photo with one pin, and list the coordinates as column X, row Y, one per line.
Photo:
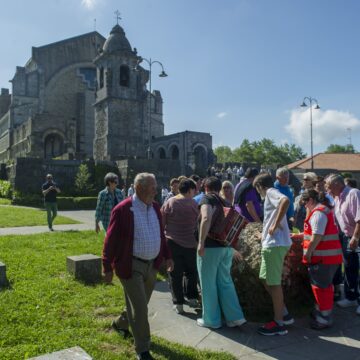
column 174, row 151
column 53, row 146
column 161, row 153
column 200, row 157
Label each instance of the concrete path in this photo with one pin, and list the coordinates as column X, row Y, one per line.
column 86, row 217
column 340, row 342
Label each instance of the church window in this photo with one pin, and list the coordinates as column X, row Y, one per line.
column 101, row 78
column 124, row 76
column 174, row 152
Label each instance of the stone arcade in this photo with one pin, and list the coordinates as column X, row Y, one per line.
column 86, row 97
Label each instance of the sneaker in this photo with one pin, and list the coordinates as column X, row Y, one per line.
column 235, row 323
column 344, row 303
column 125, row 333
column 193, row 303
column 51, row 229
column 272, row 328
column 358, row 310
column 314, row 313
column 179, row 308
column 321, row 322
column 288, row 319
column 200, row 322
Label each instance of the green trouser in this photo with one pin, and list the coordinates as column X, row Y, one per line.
column 138, row 291
column 51, row 209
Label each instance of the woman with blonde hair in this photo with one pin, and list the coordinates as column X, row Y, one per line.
column 227, row 192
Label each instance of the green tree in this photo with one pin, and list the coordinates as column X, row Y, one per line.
column 263, row 152
column 224, row 154
column 83, row 184
column 336, row 148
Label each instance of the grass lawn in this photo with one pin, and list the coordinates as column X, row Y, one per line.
column 11, row 216
column 4, row 201
column 45, row 310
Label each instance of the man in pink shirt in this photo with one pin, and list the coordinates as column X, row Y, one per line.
column 347, row 212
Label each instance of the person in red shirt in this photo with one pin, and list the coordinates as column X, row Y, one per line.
column 135, row 247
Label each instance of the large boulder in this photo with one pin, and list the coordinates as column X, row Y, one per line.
column 253, row 297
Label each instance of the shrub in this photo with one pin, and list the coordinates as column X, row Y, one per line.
column 5, row 189
column 83, row 184
column 76, row 203
column 34, row 200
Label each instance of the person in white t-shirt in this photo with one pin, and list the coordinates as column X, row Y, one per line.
column 275, row 245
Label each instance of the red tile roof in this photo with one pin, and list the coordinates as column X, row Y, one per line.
column 340, row 162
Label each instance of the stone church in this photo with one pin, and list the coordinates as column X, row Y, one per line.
column 86, row 97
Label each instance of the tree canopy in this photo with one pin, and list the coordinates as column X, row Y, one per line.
column 263, row 152
column 336, row 148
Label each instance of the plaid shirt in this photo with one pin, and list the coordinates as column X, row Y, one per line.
column 147, row 237
column 105, row 204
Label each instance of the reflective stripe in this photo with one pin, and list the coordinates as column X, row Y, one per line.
column 330, row 237
column 331, row 252
column 324, row 238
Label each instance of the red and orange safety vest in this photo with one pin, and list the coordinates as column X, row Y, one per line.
column 328, row 251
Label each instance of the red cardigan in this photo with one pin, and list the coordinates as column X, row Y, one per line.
column 118, row 244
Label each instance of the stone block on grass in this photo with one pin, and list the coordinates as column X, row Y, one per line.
column 74, row 353
column 86, row 268
column 3, row 279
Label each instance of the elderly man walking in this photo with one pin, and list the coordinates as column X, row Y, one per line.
column 282, row 184
column 135, row 247
column 347, row 212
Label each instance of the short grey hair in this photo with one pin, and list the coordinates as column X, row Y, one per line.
column 335, row 178
column 110, row 177
column 142, row 178
column 282, row 171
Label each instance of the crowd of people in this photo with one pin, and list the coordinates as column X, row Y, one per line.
column 141, row 234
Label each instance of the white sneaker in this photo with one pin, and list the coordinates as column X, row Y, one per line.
column 200, row 322
column 179, row 308
column 344, row 303
column 358, row 310
column 235, row 323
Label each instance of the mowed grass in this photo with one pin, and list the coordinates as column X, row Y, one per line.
column 11, row 216
column 4, row 201
column 46, row 310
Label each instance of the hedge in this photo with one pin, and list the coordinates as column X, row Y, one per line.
column 64, row 203
column 77, row 203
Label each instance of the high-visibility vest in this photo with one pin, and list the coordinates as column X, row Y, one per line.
column 328, row 251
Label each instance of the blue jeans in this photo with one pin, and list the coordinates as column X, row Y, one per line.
column 351, row 266
column 217, row 288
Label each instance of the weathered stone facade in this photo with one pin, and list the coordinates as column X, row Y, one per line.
column 50, row 113
column 86, row 97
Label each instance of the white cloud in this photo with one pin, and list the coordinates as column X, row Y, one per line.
column 329, row 126
column 89, row 4
column 221, row 115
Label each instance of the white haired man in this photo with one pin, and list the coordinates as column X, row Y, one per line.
column 135, row 246
column 347, row 212
column 282, row 184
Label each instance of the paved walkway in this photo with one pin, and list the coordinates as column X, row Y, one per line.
column 85, row 217
column 342, row 341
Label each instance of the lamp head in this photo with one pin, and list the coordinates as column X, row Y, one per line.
column 317, row 107
column 163, row 74
column 303, row 104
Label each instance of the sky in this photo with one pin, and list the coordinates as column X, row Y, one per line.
column 238, row 69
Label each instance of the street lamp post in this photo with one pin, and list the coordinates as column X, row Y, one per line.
column 310, row 101
column 162, row 74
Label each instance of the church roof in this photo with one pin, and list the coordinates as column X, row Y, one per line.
column 117, row 41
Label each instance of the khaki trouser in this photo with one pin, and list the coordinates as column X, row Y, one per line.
column 138, row 290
